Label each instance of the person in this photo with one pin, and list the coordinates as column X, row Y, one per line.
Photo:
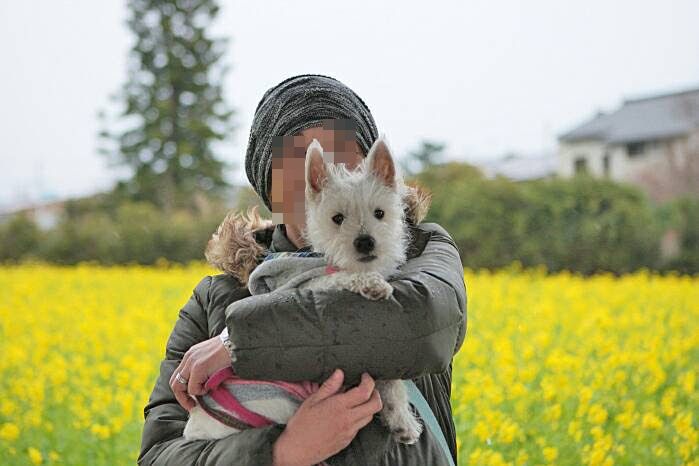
column 333, row 337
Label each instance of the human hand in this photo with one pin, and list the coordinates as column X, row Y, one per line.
column 326, row 422
column 198, row 363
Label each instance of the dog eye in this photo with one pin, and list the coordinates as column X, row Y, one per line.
column 378, row 213
column 338, row 218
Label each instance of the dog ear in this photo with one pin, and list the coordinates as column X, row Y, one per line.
column 380, row 162
column 316, row 171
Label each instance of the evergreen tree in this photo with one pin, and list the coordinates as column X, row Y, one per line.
column 428, row 154
column 173, row 105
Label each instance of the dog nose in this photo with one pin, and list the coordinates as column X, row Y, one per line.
column 364, row 243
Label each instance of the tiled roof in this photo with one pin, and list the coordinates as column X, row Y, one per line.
column 644, row 119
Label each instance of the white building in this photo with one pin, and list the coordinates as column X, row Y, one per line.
column 652, row 142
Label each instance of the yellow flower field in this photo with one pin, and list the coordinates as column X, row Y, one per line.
column 554, row 369
column 567, row 370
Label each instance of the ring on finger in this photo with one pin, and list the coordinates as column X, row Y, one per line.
column 181, row 379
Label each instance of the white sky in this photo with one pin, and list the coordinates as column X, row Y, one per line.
column 486, row 77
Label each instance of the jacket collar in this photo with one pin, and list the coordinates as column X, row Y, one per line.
column 280, row 242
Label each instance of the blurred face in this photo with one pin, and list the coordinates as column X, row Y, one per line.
column 289, row 162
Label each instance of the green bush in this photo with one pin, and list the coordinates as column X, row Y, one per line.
column 19, row 238
column 484, row 218
column 135, row 232
column 588, row 224
column 580, row 224
column 683, row 215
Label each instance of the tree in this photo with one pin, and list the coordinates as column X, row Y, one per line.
column 428, row 154
column 173, row 106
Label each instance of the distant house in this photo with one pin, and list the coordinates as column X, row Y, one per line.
column 652, row 142
column 520, row 168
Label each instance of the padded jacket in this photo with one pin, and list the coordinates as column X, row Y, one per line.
column 297, row 335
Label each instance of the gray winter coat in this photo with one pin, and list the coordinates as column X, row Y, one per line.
column 297, row 335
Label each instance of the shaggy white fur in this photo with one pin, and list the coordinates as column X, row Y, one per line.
column 357, row 219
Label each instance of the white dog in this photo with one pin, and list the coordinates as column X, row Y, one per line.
column 356, row 219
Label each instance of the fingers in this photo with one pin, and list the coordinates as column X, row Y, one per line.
column 359, row 394
column 371, row 407
column 197, row 380
column 183, row 368
column 331, row 385
column 180, row 391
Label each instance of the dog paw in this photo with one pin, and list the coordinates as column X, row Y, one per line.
column 375, row 290
column 406, row 430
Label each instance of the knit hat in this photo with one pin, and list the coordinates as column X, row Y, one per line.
column 293, row 105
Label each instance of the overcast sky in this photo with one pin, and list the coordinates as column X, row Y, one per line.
column 485, row 77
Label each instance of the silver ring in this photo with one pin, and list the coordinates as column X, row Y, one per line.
column 181, row 379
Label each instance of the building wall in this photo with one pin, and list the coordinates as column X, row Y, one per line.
column 668, row 170
column 591, row 151
column 629, row 168
column 665, row 168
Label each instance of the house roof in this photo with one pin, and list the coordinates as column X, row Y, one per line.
column 642, row 119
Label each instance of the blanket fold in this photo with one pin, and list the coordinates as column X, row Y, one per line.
column 235, row 401
column 284, row 270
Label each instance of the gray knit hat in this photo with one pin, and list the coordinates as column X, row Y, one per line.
column 293, row 105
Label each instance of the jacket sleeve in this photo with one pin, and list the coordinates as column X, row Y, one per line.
column 162, row 442
column 299, row 335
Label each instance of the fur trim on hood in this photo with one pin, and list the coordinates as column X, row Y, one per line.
column 235, row 250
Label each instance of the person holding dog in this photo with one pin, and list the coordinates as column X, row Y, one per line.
column 298, row 335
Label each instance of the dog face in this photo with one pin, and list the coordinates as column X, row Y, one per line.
column 356, row 218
